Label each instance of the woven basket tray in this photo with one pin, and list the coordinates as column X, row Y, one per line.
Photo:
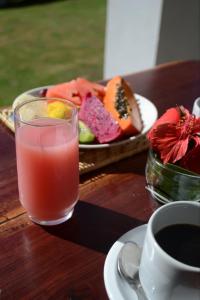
column 91, row 159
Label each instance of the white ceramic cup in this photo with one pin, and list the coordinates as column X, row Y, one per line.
column 196, row 107
column 162, row 276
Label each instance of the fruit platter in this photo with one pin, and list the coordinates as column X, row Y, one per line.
column 108, row 115
column 113, row 119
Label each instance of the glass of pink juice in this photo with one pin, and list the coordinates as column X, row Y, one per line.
column 46, row 134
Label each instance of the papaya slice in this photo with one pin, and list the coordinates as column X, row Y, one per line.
column 120, row 101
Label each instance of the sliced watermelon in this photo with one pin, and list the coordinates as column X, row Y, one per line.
column 85, row 86
column 100, row 121
column 76, row 90
column 67, row 90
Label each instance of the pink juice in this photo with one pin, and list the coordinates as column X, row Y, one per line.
column 47, row 164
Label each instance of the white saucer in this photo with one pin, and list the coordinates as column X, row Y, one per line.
column 116, row 287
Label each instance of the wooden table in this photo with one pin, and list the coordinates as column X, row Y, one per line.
column 66, row 261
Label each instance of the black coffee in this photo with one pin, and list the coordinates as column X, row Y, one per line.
column 182, row 242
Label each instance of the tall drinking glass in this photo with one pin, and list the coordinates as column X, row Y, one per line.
column 47, row 160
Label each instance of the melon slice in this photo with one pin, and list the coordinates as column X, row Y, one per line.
column 85, row 86
column 120, row 101
column 76, row 90
column 66, row 90
column 100, row 121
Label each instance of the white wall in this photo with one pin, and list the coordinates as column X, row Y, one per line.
column 142, row 33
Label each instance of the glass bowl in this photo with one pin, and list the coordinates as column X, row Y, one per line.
column 169, row 182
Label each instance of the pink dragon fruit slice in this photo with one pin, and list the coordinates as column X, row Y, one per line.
column 99, row 120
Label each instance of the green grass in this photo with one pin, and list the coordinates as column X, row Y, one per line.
column 50, row 43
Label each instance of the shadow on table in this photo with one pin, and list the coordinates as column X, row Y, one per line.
column 135, row 164
column 94, row 227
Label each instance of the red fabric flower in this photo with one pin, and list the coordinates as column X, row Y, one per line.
column 171, row 134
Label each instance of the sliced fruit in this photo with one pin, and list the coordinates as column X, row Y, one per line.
column 120, row 101
column 67, row 90
column 85, row 86
column 22, row 98
column 76, row 90
column 100, row 121
column 57, row 109
column 85, row 133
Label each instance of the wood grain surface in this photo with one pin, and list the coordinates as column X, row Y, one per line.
column 66, row 261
